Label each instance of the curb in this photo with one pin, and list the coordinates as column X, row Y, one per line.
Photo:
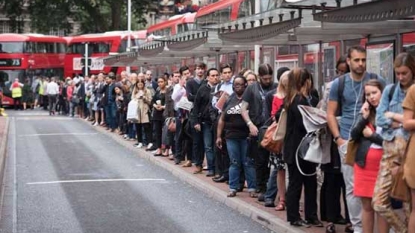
column 3, row 151
column 266, row 219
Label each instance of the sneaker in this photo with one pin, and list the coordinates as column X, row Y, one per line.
column 149, row 145
column 96, row 124
column 138, row 145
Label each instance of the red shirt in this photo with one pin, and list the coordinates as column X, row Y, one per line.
column 276, row 104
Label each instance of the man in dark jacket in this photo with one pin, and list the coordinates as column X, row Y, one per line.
column 201, row 121
column 108, row 102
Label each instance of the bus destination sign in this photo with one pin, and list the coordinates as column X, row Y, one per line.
column 10, row 62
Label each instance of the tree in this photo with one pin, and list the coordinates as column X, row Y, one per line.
column 14, row 11
column 93, row 15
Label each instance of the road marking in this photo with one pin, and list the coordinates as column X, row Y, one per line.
column 56, row 134
column 35, row 118
column 88, row 181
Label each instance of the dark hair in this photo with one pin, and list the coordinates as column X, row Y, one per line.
column 372, row 83
column 341, row 60
column 357, row 48
column 183, row 69
column 240, row 77
column 211, row 69
column 162, row 77
column 265, row 69
column 225, row 66
column 296, row 80
column 280, row 71
column 405, row 59
column 201, row 65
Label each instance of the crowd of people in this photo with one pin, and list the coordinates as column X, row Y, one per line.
column 216, row 118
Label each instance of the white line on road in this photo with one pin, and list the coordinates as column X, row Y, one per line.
column 86, row 181
column 56, row 134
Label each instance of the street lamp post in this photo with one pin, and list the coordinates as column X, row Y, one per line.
column 128, row 69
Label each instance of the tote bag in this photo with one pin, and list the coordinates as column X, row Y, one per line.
column 281, row 127
column 133, row 111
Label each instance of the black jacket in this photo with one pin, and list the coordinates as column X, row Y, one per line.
column 191, row 89
column 364, row 143
column 202, row 103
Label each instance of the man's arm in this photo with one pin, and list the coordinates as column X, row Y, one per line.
column 332, row 122
column 245, row 115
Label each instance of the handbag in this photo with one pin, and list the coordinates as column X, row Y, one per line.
column 75, row 99
column 267, row 142
column 171, row 124
column 400, row 189
column 133, row 111
column 351, row 151
column 281, row 128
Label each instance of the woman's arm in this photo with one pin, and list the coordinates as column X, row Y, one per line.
column 357, row 129
column 147, row 97
column 408, row 121
column 381, row 119
column 376, row 138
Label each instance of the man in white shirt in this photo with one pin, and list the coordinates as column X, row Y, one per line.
column 52, row 90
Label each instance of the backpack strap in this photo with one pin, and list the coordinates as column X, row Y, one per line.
column 391, row 91
column 340, row 90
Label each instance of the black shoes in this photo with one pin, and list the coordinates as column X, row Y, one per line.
column 221, row 179
column 314, row 223
column 269, row 203
column 261, row 197
column 331, row 228
column 349, row 229
column 340, row 221
column 210, row 174
column 300, row 223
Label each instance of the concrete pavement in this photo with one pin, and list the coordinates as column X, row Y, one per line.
column 63, row 176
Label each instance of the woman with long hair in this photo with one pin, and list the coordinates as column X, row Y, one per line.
column 389, row 116
column 143, row 96
column 298, row 93
column 407, row 70
column 368, row 156
column 158, row 103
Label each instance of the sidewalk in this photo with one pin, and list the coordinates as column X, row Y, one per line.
column 250, row 207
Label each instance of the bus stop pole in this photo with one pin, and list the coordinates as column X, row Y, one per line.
column 128, row 69
column 257, row 48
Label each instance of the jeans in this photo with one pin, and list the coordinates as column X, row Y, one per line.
column 272, row 188
column 237, row 150
column 110, row 115
column 178, row 154
column 353, row 203
column 72, row 108
column 208, row 143
column 131, row 130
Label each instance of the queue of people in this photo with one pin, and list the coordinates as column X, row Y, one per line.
column 212, row 121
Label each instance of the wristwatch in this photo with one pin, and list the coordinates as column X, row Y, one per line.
column 336, row 138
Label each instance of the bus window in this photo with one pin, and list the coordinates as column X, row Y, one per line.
column 40, row 47
column 7, row 77
column 11, row 47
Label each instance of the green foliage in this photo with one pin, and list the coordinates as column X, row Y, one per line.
column 94, row 15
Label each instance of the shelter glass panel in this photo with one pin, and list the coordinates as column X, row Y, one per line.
column 380, row 58
column 311, row 59
column 246, row 8
column 408, row 41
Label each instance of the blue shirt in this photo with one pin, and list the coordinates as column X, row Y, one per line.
column 392, row 105
column 352, row 101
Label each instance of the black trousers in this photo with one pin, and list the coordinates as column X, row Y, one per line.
column 330, row 208
column 17, row 102
column 222, row 161
column 296, row 181
column 147, row 131
column 261, row 157
column 158, row 129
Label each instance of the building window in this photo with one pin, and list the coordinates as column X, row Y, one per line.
column 4, row 27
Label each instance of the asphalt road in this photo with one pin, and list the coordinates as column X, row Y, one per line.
column 63, row 176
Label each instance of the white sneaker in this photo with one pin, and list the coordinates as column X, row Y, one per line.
column 149, row 145
column 96, row 124
column 139, row 145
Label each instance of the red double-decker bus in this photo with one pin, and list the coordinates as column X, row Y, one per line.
column 28, row 55
column 100, row 45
